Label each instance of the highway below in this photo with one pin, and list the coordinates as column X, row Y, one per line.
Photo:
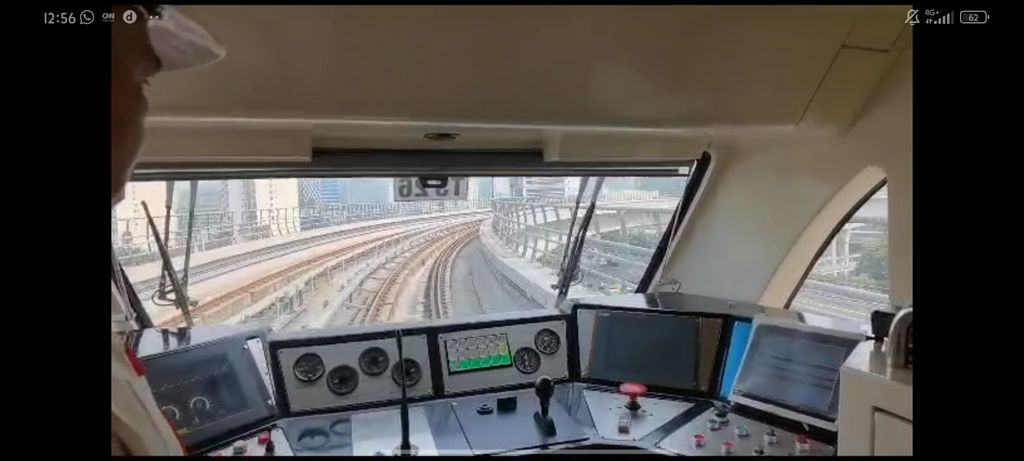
column 838, row 301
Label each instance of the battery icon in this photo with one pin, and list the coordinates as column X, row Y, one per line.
column 973, row 17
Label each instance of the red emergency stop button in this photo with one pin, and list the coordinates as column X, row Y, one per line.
column 633, row 391
column 803, row 443
column 263, row 438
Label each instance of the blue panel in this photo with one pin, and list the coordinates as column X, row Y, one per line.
column 737, row 347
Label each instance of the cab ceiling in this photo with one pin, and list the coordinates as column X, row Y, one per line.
column 506, row 76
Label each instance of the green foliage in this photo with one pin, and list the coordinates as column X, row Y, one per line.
column 874, row 261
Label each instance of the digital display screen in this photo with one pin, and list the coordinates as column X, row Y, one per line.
column 210, row 395
column 652, row 349
column 793, row 369
column 478, row 353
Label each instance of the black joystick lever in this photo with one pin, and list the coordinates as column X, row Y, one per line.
column 545, row 388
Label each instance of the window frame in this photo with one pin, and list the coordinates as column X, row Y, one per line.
column 831, row 236
column 390, row 163
column 693, row 183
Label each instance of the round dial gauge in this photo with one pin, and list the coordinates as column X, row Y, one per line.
column 413, row 373
column 313, row 438
column 526, row 360
column 374, row 361
column 171, row 412
column 199, row 404
column 547, row 341
column 342, row 379
column 308, row 367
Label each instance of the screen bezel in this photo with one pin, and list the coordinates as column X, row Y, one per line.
column 695, row 346
column 780, row 408
column 247, row 375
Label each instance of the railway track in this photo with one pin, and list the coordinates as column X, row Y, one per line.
column 382, row 305
column 212, row 269
column 211, row 310
column 438, row 289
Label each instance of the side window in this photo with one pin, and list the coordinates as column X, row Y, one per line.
column 851, row 276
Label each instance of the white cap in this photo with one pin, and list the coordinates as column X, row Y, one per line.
column 180, row 42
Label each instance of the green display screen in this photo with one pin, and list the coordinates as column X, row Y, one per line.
column 478, row 353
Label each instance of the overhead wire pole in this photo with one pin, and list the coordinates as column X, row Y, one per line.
column 193, row 187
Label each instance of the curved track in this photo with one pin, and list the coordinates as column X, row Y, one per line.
column 384, row 302
column 226, row 304
column 438, row 290
column 206, row 271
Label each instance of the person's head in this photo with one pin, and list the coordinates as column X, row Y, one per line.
column 138, row 50
column 132, row 62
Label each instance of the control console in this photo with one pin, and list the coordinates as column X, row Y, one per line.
column 700, row 378
column 716, row 432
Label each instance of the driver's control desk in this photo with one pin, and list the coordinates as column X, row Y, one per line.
column 668, row 374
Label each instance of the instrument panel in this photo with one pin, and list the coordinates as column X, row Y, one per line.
column 652, row 378
column 209, row 385
column 502, row 356
column 343, row 374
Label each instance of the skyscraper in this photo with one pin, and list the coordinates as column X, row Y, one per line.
column 544, row 188
column 501, row 187
column 278, row 203
column 369, row 190
column 309, row 193
column 334, row 191
column 485, row 188
column 515, row 187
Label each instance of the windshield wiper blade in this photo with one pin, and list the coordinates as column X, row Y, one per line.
column 571, row 261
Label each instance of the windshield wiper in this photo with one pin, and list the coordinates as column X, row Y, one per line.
column 180, row 299
column 574, row 242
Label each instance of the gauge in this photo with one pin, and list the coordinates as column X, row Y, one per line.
column 171, row 412
column 342, row 427
column 308, row 367
column 527, row 360
column 547, row 341
column 199, row 404
column 413, row 373
column 342, row 379
column 374, row 361
column 313, row 438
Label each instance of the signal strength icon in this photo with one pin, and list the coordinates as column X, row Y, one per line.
column 947, row 19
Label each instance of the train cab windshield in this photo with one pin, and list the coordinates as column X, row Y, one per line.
column 298, row 253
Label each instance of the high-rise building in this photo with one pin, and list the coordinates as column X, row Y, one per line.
column 334, row 191
column 278, row 203
column 501, row 187
column 129, row 212
column 277, row 193
column 309, row 193
column 473, row 189
column 369, row 190
column 544, row 188
column 242, row 207
column 211, row 197
column 515, row 187
column 485, row 188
